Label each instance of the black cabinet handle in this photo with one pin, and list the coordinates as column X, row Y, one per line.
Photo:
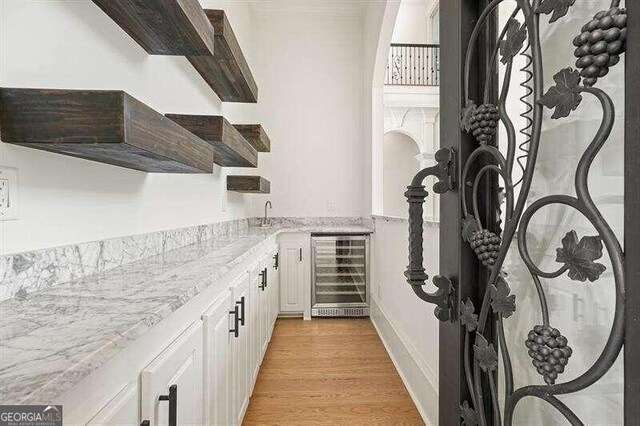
column 241, row 303
column 172, row 397
column 236, row 321
column 276, row 257
column 261, row 286
column 300, row 254
column 264, row 278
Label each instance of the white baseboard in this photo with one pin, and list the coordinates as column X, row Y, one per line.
column 419, row 381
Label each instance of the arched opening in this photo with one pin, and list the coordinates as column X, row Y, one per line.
column 399, row 167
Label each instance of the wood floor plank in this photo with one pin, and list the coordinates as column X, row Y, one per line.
column 329, row 372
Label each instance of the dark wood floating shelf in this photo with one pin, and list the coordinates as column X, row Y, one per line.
column 163, row 27
column 248, row 184
column 226, row 71
column 108, row 126
column 230, row 147
column 255, row 134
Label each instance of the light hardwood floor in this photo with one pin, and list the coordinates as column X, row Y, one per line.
column 329, row 371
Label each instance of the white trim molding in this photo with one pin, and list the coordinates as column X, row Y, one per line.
column 420, row 380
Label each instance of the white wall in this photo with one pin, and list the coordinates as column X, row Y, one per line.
column 311, row 104
column 413, row 24
column 308, row 58
column 380, row 18
column 378, row 22
column 73, row 44
column 413, row 329
column 400, row 165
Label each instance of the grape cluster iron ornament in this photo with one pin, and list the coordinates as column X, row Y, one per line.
column 486, row 245
column 481, row 121
column 599, row 46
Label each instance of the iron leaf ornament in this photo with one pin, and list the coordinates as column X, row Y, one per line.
column 468, row 414
column 467, row 112
column 565, row 95
column 502, row 301
column 514, row 41
column 579, row 256
column 485, row 354
column 558, row 8
column 469, row 227
column 468, row 317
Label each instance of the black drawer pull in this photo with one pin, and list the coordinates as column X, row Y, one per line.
column 276, row 258
column 241, row 303
column 264, row 279
column 261, row 286
column 236, row 320
column 173, row 404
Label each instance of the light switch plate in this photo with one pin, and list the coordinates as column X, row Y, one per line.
column 8, row 193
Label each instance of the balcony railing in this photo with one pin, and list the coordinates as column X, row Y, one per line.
column 413, row 65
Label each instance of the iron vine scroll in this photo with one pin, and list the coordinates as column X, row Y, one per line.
column 599, row 45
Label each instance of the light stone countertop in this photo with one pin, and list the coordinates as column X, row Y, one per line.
column 54, row 338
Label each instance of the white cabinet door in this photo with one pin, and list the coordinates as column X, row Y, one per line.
column 218, row 323
column 181, row 364
column 274, row 290
column 264, row 309
column 294, row 273
column 255, row 321
column 241, row 351
column 121, row 410
column 264, row 322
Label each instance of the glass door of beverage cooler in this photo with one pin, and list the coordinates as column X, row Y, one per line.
column 340, row 273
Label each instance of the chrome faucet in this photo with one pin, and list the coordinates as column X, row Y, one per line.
column 265, row 219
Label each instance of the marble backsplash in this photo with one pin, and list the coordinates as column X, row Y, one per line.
column 292, row 222
column 23, row 273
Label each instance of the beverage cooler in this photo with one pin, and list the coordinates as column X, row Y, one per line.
column 340, row 275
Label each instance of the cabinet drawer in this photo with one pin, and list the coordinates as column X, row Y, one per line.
column 181, row 364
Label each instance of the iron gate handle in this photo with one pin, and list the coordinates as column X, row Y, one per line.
column 172, row 397
column 416, row 194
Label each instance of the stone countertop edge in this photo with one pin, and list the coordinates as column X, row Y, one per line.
column 21, row 390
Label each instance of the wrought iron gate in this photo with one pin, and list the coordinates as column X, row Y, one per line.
column 474, row 297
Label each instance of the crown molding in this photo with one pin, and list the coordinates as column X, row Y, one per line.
column 331, row 8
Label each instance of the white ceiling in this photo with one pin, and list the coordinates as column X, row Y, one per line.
column 319, row 7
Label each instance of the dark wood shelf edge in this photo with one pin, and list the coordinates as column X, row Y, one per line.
column 231, row 149
column 107, row 126
column 227, row 71
column 167, row 27
column 255, row 134
column 248, row 184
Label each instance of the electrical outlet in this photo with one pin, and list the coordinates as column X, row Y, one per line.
column 8, row 193
column 329, row 206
